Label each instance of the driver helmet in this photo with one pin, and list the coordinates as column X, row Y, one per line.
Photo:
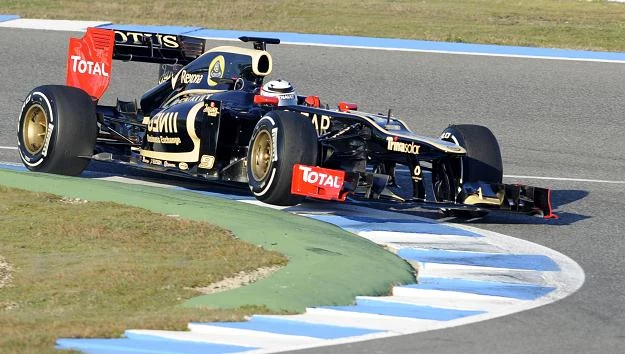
column 282, row 89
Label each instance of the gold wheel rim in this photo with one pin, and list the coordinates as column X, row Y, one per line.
column 261, row 155
column 34, row 129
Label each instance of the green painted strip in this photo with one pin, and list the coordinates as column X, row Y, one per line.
column 327, row 266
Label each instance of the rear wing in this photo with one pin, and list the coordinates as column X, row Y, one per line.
column 89, row 58
column 157, row 48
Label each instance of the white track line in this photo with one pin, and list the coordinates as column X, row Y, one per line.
column 8, row 148
column 567, row 179
column 52, row 25
column 433, row 51
column 545, row 177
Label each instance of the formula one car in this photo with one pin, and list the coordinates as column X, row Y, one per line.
column 212, row 117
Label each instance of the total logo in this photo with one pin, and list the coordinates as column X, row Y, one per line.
column 319, row 178
column 83, row 66
column 394, row 145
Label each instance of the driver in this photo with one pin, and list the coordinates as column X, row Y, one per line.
column 282, row 89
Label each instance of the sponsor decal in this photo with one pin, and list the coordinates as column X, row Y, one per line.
column 163, row 123
column 188, row 98
column 46, row 143
column 287, row 96
column 274, row 144
column 26, row 101
column 318, row 182
column 138, row 38
column 145, row 159
column 216, row 69
column 156, row 162
column 207, row 162
column 183, row 166
column 169, row 164
column 446, row 135
column 168, row 71
column 90, row 60
column 164, row 140
column 321, row 122
column 187, row 78
column 394, row 145
column 211, row 109
column 189, row 134
column 416, row 173
column 165, row 77
column 319, row 178
column 83, row 66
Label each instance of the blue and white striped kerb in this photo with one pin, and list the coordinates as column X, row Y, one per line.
column 465, row 275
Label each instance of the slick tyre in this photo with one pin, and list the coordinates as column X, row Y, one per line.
column 280, row 140
column 483, row 159
column 481, row 163
column 57, row 130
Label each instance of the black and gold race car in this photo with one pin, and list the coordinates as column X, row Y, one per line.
column 212, row 117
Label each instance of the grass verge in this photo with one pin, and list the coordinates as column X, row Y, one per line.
column 95, row 269
column 596, row 25
column 327, row 265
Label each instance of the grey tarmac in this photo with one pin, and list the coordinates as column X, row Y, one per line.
column 552, row 118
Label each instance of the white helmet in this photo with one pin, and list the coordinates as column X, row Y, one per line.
column 282, row 89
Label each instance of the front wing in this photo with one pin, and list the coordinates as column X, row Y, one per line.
column 328, row 184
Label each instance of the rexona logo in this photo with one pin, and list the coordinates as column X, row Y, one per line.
column 186, row 78
column 394, row 145
column 80, row 65
column 317, row 182
column 163, row 123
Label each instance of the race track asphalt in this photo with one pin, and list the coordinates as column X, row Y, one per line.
column 552, row 118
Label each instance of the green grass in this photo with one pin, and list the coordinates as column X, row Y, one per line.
column 327, row 265
column 579, row 24
column 95, row 269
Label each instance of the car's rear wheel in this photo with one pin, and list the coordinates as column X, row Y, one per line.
column 280, row 140
column 57, row 130
column 481, row 163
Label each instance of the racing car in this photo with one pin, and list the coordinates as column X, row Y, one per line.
column 212, row 117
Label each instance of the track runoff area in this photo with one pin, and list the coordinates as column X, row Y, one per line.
column 465, row 274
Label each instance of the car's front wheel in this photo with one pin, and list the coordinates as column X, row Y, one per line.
column 482, row 162
column 280, row 140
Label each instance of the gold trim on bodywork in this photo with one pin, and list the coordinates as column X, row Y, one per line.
column 479, row 198
column 255, row 54
column 191, row 156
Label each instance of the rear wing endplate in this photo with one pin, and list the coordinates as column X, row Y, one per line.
column 89, row 59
